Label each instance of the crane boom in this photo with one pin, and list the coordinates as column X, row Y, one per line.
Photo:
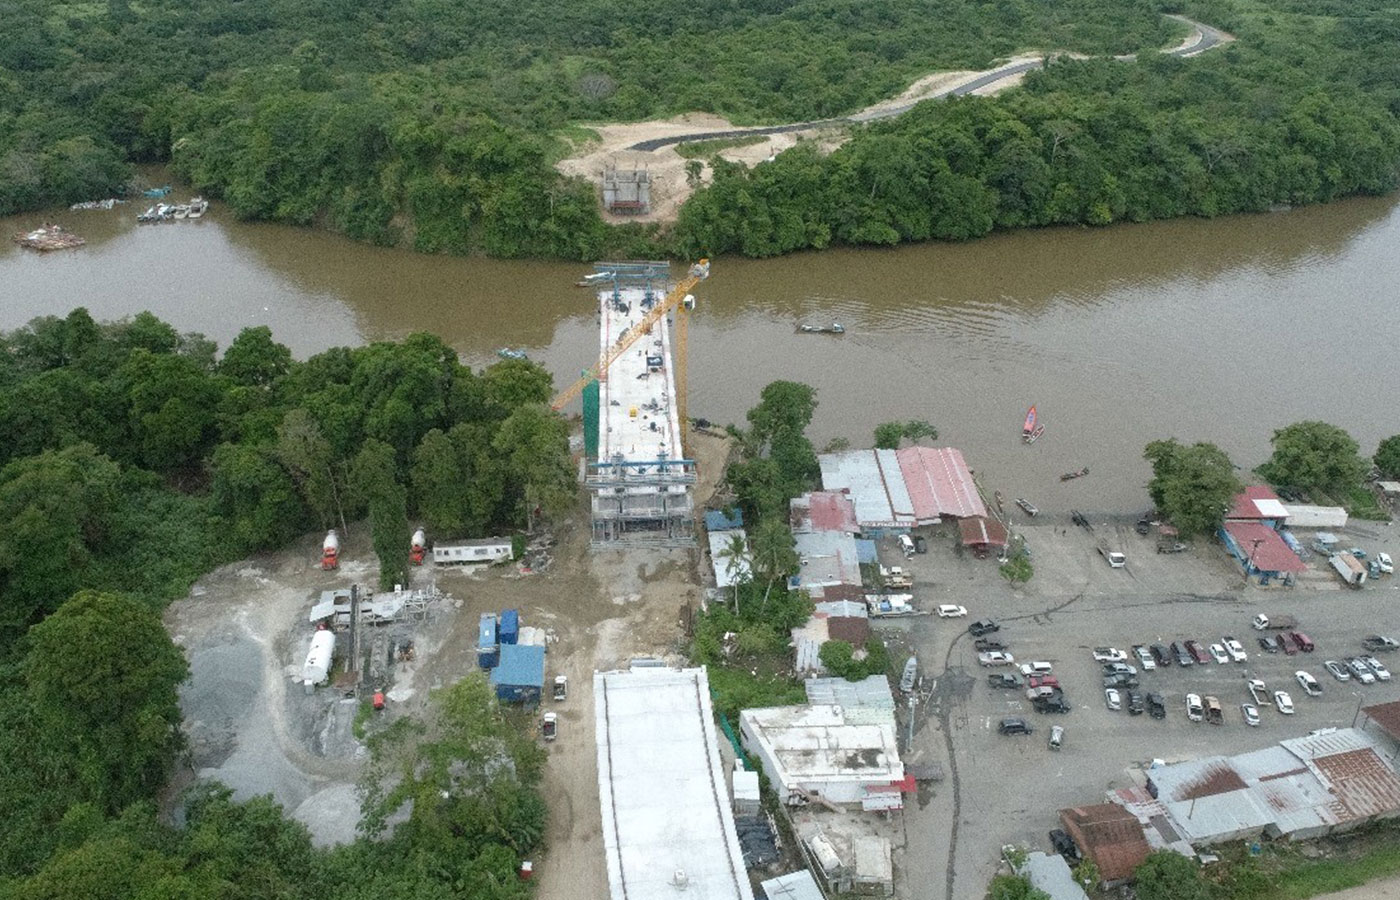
column 698, row 273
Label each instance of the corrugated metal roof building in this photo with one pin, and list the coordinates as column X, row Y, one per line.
column 1110, row 836
column 876, row 486
column 822, row 511
column 939, row 484
column 1050, row 873
column 873, row 691
column 825, row 558
column 839, row 753
column 798, row 885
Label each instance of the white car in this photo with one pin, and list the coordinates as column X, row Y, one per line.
column 1109, row 654
column 1308, row 683
column 1337, row 670
column 1376, row 668
column 1218, row 653
column 1144, row 657
column 1383, row 560
column 1362, row 671
column 1283, row 702
column 1236, row 650
column 1194, row 710
column 996, row 658
column 1112, row 698
column 1251, row 714
column 1036, row 668
column 950, row 611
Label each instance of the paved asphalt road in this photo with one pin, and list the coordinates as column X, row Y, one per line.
column 1209, row 37
column 1003, row 790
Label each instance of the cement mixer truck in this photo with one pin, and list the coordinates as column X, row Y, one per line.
column 330, row 551
column 419, row 547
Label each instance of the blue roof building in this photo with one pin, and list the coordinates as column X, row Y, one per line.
column 519, row 676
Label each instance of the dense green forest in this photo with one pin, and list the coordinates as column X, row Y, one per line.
column 132, row 460
column 431, row 123
column 1301, row 109
column 434, row 125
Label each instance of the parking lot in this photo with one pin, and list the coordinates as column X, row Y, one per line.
column 1008, row 789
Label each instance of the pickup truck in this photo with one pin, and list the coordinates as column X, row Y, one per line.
column 1274, row 623
column 1115, row 559
column 1259, row 693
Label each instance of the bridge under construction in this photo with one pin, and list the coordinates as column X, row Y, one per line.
column 635, row 468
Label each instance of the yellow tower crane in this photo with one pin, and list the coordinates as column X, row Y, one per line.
column 680, row 301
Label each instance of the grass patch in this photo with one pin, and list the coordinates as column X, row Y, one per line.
column 1361, row 504
column 736, row 688
column 706, row 149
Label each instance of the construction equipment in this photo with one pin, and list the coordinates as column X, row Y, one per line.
column 678, row 299
column 418, row 548
column 330, row 551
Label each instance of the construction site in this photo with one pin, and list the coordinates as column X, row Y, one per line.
column 635, row 467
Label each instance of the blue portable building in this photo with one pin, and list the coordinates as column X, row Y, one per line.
column 520, row 676
column 487, row 650
column 510, row 626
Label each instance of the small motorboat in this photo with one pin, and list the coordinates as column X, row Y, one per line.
column 1034, row 435
column 1070, row 476
column 1028, row 427
column 198, row 207
column 833, row 328
column 910, row 675
column 997, row 496
column 1027, row 506
column 511, row 353
column 150, row 215
column 180, row 211
column 156, row 193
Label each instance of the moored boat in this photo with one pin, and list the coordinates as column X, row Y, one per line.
column 1034, row 435
column 1028, row 428
column 198, row 207
column 833, row 328
column 1070, row 476
column 1027, row 506
column 511, row 353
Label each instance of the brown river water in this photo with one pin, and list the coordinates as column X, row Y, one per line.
column 1216, row 330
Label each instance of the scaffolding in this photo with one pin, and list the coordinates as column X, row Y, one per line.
column 640, row 484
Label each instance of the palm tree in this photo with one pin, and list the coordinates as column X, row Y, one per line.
column 736, row 563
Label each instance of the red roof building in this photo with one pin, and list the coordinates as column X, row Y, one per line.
column 939, row 483
column 1110, row 836
column 1257, row 503
column 823, row 511
column 1260, row 548
column 982, row 534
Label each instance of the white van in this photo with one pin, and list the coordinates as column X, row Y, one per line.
column 906, row 543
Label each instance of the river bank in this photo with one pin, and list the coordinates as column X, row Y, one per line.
column 1219, row 330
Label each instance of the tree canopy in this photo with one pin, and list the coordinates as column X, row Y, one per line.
column 1387, row 458
column 1315, row 456
column 1192, row 486
column 1167, row 875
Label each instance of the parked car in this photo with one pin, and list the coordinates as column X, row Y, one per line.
column 1036, row 681
column 1380, row 643
column 1217, row 653
column 1161, row 656
column 987, row 644
column 1268, row 644
column 1235, row 649
column 1250, row 713
column 996, row 658
column 1064, row 845
column 1144, row 657
column 1383, row 560
column 1119, row 668
column 1301, row 641
column 1055, row 703
column 1156, row 706
column 1014, row 726
column 1283, row 702
column 1376, row 668
column 1362, row 671
column 1198, row 653
column 1120, row 680
column 1259, row 692
column 1004, row 680
column 1045, row 690
column 1285, row 643
column 1195, row 710
column 1183, row 656
column 951, row 611
column 920, row 545
column 1036, row 668
column 1109, row 655
column 1338, row 670
column 1135, row 703
column 1214, row 714
column 1112, row 699
column 1308, row 683
column 1057, row 736
column 983, row 626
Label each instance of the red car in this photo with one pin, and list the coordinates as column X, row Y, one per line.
column 1285, row 643
column 1044, row 681
column 1302, row 641
column 1198, row 653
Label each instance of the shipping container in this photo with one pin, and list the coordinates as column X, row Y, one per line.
column 487, row 650
column 509, row 631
